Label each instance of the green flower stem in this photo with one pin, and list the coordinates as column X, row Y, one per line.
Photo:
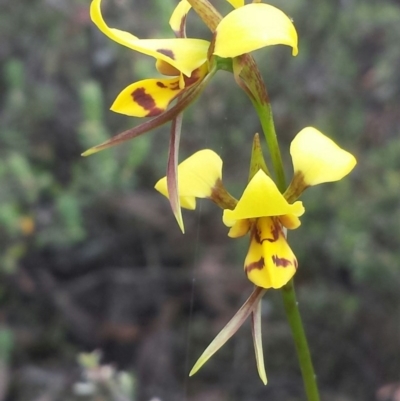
column 267, row 122
column 249, row 78
column 300, row 340
column 264, row 112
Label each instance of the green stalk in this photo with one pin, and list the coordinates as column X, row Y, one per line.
column 300, row 340
column 267, row 122
column 249, row 78
column 264, row 112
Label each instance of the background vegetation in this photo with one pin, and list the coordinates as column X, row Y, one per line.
column 90, row 255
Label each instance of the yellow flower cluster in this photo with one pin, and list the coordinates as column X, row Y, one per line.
column 187, row 64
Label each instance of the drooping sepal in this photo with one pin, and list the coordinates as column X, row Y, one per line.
column 257, row 341
column 230, row 329
column 172, row 171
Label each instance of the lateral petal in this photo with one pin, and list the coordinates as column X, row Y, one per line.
column 318, row 159
column 252, row 27
column 240, row 228
column 197, row 175
column 290, row 221
column 147, row 98
column 184, row 54
column 151, row 97
column 270, row 263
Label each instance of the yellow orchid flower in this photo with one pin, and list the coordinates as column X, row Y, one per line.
column 191, row 63
column 246, row 28
column 265, row 212
column 182, row 57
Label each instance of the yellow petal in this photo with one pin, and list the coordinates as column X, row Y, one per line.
column 270, row 263
column 147, row 98
column 252, row 27
column 236, row 3
column 184, row 54
column 318, row 159
column 188, row 202
column 151, row 97
column 239, row 229
column 178, row 17
column 290, row 221
column 197, row 176
column 261, row 198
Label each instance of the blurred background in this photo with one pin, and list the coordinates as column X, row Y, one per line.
column 92, row 259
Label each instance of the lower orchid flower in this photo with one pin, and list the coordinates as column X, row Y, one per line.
column 264, row 212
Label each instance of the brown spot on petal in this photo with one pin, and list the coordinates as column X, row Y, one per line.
column 281, row 262
column 155, row 112
column 181, row 33
column 174, row 86
column 146, row 101
column 275, row 231
column 167, row 52
column 259, row 265
column 257, row 234
column 189, row 81
column 161, row 85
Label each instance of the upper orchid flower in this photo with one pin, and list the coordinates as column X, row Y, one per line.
column 189, row 60
column 191, row 63
column 183, row 57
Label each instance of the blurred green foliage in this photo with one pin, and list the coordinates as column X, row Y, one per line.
column 68, row 215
